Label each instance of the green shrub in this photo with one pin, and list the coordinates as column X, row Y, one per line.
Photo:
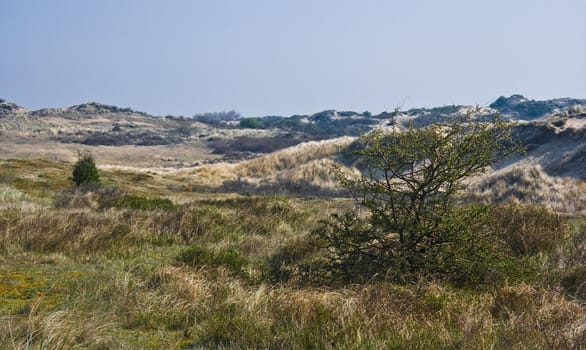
column 85, row 171
column 468, row 255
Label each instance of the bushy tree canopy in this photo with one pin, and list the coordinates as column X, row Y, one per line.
column 410, row 186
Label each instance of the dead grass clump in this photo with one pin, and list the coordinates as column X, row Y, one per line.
column 90, row 196
column 190, row 285
column 49, row 231
column 535, row 318
column 62, row 329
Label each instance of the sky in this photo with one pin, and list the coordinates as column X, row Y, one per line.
column 284, row 57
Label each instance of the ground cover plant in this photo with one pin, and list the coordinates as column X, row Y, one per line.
column 135, row 265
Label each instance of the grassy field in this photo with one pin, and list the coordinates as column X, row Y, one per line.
column 153, row 265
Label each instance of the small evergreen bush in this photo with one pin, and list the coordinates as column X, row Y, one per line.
column 85, row 171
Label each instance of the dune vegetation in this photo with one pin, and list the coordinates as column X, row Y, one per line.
column 150, row 260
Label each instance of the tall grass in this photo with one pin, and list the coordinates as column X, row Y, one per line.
column 233, row 273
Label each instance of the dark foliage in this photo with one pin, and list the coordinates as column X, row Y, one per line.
column 85, row 171
column 252, row 123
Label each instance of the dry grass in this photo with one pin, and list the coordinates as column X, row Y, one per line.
column 292, row 157
column 112, row 278
column 310, row 163
column 57, row 330
column 531, row 185
column 86, row 275
column 155, row 158
column 531, row 318
column 13, row 198
column 233, row 314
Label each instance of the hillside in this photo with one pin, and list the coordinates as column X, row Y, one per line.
column 219, row 152
column 8, row 108
column 119, row 136
column 95, row 124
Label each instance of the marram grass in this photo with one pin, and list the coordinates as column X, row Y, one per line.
column 232, row 274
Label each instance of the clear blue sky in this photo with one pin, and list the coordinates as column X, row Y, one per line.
column 285, row 57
